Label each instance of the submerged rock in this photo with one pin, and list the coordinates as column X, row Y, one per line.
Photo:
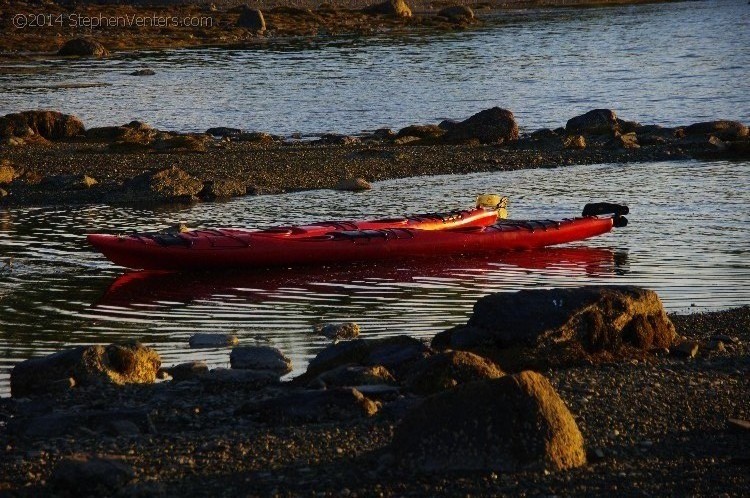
column 204, row 340
column 143, row 72
column 493, row 125
column 265, row 358
column 513, row 423
column 83, row 47
column 543, row 327
column 447, row 370
column 338, row 331
column 127, row 363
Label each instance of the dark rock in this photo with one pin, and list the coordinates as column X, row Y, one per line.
column 596, row 122
column 222, row 189
column 83, row 47
column 406, row 139
column 624, row 126
column 223, row 131
column 311, row 407
column 448, row 124
column 738, row 424
column 68, row 182
column 558, row 327
column 257, row 137
column 383, row 134
column 67, row 424
column 336, row 139
column 446, row 370
column 167, row 185
column 251, row 19
column 717, row 346
column 493, row 125
column 51, row 125
column 143, row 72
column 187, row 371
column 119, row 364
column 513, row 423
column 394, row 353
column 725, row 130
column 180, row 143
column 421, row 131
column 212, row 340
column 338, row 331
column 353, row 185
column 245, row 379
column 135, row 131
column 81, row 475
column 260, row 358
column 686, row 349
column 396, row 8
column 356, row 376
column 457, row 13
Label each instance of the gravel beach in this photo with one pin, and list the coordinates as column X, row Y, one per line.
column 658, row 426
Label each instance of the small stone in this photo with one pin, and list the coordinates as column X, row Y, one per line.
column 213, row 340
column 737, row 424
column 686, row 349
column 3, row 193
column 715, row 345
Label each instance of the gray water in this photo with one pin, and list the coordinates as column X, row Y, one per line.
column 671, row 64
column 688, row 240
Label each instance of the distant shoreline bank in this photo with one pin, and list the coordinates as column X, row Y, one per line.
column 41, row 31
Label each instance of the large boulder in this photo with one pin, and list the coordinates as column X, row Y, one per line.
column 251, row 19
column 264, row 358
column 83, row 47
column 167, row 185
column 396, row 8
column 448, row 369
column 513, row 423
column 127, row 363
column 556, row 327
column 51, row 125
column 595, row 122
column 493, row 125
column 725, row 130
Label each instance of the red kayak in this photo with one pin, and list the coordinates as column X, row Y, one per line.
column 292, row 246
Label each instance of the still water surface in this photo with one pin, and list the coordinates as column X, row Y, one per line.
column 688, row 240
column 669, row 63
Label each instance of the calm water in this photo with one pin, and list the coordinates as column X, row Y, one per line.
column 688, row 240
column 671, row 64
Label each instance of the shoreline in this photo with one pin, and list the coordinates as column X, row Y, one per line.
column 218, row 23
column 63, row 163
column 644, row 419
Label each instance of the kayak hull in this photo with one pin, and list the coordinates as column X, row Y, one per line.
column 227, row 248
